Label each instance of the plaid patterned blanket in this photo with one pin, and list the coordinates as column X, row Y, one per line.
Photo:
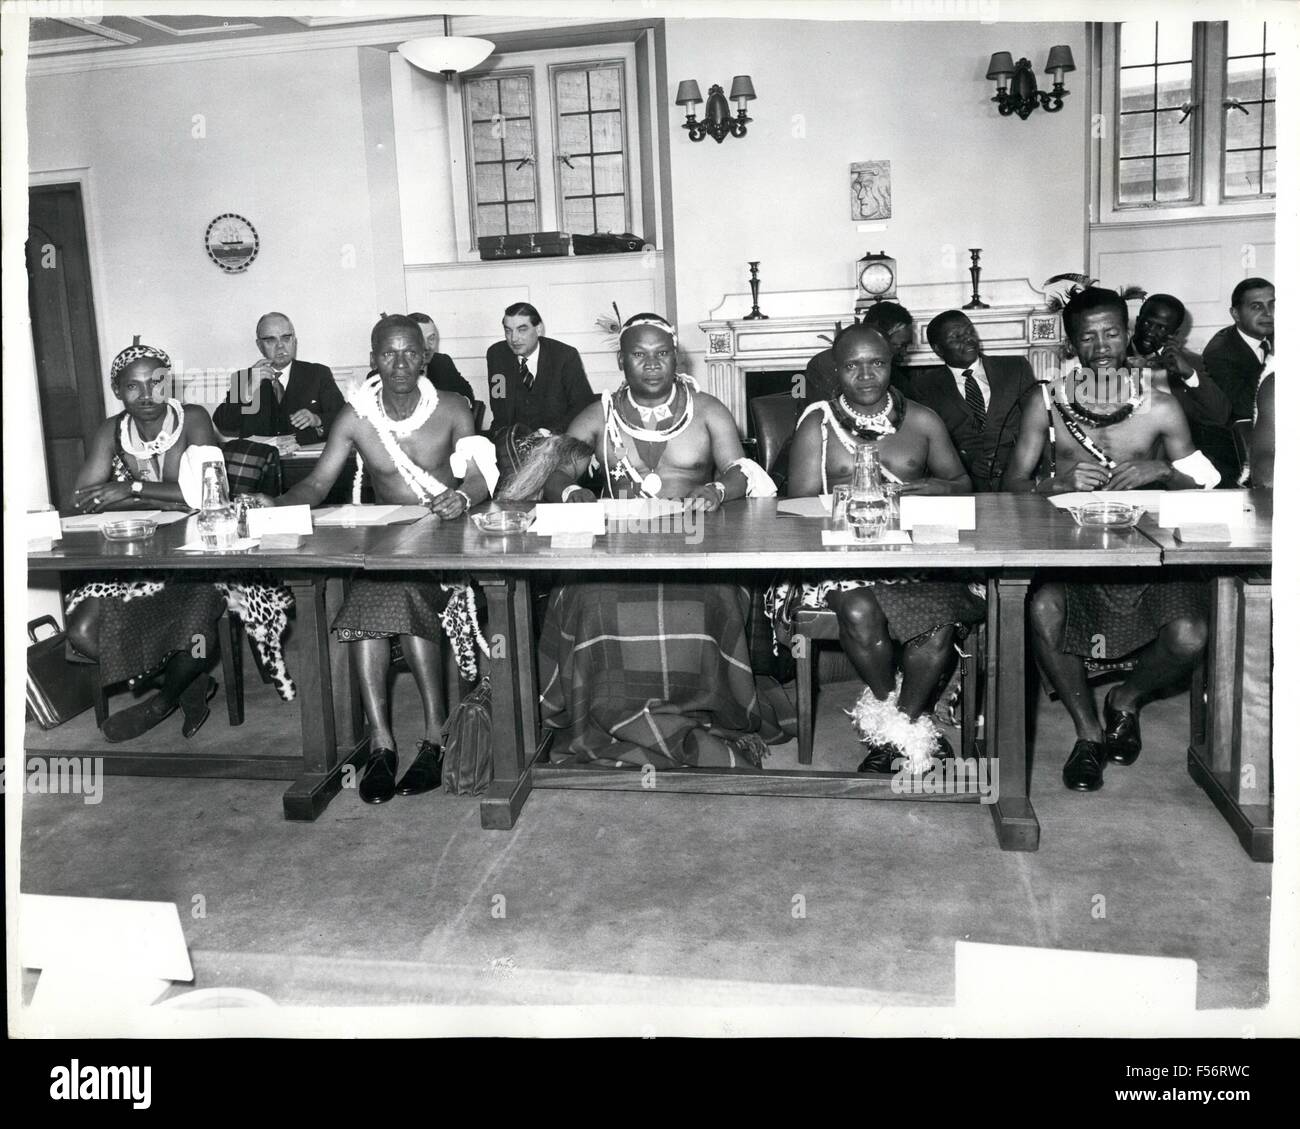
column 656, row 674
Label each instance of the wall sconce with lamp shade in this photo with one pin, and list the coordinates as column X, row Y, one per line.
column 718, row 122
column 1018, row 91
column 446, row 54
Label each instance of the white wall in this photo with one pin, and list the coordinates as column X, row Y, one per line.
column 283, row 143
column 910, row 93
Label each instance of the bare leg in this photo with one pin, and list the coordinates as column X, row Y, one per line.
column 924, row 664
column 425, row 661
column 1168, row 656
column 1066, row 672
column 864, row 635
column 373, row 660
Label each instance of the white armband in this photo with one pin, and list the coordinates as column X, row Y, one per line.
column 189, row 475
column 564, row 494
column 1199, row 469
column 480, row 450
column 758, row 483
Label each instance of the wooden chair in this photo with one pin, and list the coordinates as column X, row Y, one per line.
column 1243, row 431
column 821, row 625
column 774, row 420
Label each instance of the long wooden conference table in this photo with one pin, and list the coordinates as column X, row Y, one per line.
column 1016, row 538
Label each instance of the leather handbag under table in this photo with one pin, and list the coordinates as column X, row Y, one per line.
column 467, row 744
column 57, row 690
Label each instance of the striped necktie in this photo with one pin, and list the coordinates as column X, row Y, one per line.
column 975, row 399
column 524, row 374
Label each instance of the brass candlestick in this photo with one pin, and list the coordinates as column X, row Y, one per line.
column 975, row 303
column 754, row 314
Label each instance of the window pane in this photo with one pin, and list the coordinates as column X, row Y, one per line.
column 1175, row 42
column 580, row 216
column 489, row 183
column 1135, row 186
column 1174, row 85
column 606, row 89
column 575, row 134
column 1170, row 136
column 607, row 132
column 1270, row 171
column 576, row 181
column 516, row 97
column 610, row 214
column 1137, row 44
column 486, row 145
column 571, row 91
column 1270, row 79
column 517, row 138
column 1241, row 128
column 1245, row 37
column 520, row 182
column 1137, row 88
column 1270, row 123
column 1136, row 134
column 1241, row 173
column 483, row 99
column 607, row 173
column 523, row 218
column 1173, row 179
column 491, row 220
column 1245, row 79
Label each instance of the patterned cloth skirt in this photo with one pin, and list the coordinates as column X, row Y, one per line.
column 1111, row 619
column 913, row 605
column 647, row 673
column 379, row 606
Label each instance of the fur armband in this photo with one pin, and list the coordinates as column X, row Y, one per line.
column 1199, row 469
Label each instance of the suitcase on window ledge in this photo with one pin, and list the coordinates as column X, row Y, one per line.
column 57, row 690
column 538, row 244
column 467, row 744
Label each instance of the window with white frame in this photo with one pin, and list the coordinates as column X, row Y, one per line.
column 551, row 143
column 1194, row 119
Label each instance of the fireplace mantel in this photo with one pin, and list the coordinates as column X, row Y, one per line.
column 800, row 324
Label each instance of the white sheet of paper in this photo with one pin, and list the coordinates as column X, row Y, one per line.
column 1146, row 499
column 121, row 935
column 836, row 537
column 922, row 509
column 44, row 525
column 238, row 545
column 817, row 507
column 169, row 516
column 82, row 522
column 568, row 517
column 279, row 519
column 1202, row 507
column 624, row 509
column 355, row 515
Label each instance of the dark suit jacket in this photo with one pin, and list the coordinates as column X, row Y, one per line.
column 309, row 386
column 822, row 381
column 1235, row 368
column 445, row 377
column 985, row 452
column 560, row 389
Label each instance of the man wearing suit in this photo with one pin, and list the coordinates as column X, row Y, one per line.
column 441, row 370
column 534, row 381
column 979, row 398
column 1235, row 356
column 1207, row 408
column 280, row 395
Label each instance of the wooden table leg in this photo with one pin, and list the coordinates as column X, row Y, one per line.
column 318, row 661
column 509, row 636
column 1013, row 814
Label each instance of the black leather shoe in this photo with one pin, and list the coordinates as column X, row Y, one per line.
column 1083, row 770
column 1123, row 734
column 880, row 757
column 194, row 703
column 379, row 778
column 425, row 773
column 138, row 719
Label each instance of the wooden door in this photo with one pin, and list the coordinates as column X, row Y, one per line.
column 64, row 335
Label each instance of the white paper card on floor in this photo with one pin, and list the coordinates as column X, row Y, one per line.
column 920, row 509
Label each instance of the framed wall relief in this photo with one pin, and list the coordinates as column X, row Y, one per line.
column 870, row 191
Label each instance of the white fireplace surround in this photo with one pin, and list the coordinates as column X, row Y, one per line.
column 800, row 323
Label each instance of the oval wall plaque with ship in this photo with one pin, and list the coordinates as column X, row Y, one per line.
column 231, row 242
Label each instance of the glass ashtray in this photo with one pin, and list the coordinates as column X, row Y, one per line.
column 503, row 521
column 1107, row 515
column 134, row 529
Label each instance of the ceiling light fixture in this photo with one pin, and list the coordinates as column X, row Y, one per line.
column 446, row 54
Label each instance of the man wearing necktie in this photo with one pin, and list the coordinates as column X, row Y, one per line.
column 1236, row 356
column 280, row 395
column 533, row 380
column 979, row 398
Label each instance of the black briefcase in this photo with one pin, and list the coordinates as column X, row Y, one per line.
column 57, row 689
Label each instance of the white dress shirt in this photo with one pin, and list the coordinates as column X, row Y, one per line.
column 1256, row 347
column 977, row 371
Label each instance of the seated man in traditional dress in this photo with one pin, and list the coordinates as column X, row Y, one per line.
column 421, row 449
column 138, row 627
column 653, row 672
column 1100, row 430
column 921, row 615
column 822, row 380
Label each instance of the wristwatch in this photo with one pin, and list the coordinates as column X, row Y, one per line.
column 137, row 487
column 468, row 503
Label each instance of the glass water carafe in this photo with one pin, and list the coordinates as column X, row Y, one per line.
column 218, row 521
column 868, row 510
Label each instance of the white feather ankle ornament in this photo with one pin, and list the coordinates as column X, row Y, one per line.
column 882, row 722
